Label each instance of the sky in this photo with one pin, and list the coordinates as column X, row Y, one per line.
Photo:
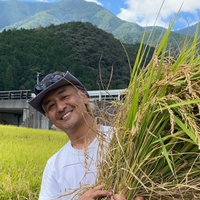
column 145, row 12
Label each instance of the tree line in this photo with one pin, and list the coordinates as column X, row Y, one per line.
column 94, row 56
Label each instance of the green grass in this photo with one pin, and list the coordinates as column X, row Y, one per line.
column 24, row 153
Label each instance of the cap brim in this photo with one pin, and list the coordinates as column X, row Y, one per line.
column 68, row 79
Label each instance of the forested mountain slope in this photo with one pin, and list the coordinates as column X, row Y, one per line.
column 85, row 50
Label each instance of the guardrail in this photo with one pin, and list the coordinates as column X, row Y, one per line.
column 15, row 94
column 96, row 94
column 106, row 94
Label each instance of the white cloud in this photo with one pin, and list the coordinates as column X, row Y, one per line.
column 51, row 1
column 144, row 12
column 47, row 1
column 95, row 1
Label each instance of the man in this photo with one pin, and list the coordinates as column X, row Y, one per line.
column 64, row 100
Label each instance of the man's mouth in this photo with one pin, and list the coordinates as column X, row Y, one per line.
column 64, row 116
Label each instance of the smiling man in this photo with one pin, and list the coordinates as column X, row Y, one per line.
column 64, row 100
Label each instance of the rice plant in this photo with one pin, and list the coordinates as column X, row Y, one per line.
column 154, row 149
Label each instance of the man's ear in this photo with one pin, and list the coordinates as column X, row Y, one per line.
column 84, row 97
column 46, row 115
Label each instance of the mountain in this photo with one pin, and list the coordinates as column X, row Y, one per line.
column 94, row 56
column 13, row 11
column 189, row 30
column 33, row 14
column 157, row 27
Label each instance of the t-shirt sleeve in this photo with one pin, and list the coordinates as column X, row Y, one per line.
column 49, row 188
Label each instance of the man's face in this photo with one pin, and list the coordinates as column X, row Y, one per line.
column 65, row 107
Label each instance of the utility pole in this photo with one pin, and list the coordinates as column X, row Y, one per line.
column 38, row 74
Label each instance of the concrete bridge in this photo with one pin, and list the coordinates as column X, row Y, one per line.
column 15, row 110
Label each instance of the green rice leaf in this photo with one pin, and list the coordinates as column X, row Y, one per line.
column 136, row 64
column 186, row 130
column 146, row 92
column 166, row 154
column 194, row 101
column 134, row 106
column 162, row 59
column 165, row 38
column 195, row 43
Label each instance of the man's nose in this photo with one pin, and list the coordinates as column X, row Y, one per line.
column 60, row 105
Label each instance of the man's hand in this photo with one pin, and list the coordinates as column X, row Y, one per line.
column 97, row 192
column 94, row 193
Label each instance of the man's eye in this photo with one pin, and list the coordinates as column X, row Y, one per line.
column 51, row 106
column 64, row 97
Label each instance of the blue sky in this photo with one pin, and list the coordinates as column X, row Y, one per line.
column 144, row 12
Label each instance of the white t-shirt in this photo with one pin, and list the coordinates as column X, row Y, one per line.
column 70, row 169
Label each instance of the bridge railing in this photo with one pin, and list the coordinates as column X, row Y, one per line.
column 15, row 94
column 105, row 94
column 96, row 94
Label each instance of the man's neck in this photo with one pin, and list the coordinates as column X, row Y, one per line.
column 83, row 135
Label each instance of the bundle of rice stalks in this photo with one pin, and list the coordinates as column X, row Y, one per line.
column 154, row 151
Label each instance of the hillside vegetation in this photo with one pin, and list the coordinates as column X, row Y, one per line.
column 81, row 48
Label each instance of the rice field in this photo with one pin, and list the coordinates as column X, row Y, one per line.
column 24, row 153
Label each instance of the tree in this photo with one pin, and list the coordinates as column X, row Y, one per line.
column 9, row 81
